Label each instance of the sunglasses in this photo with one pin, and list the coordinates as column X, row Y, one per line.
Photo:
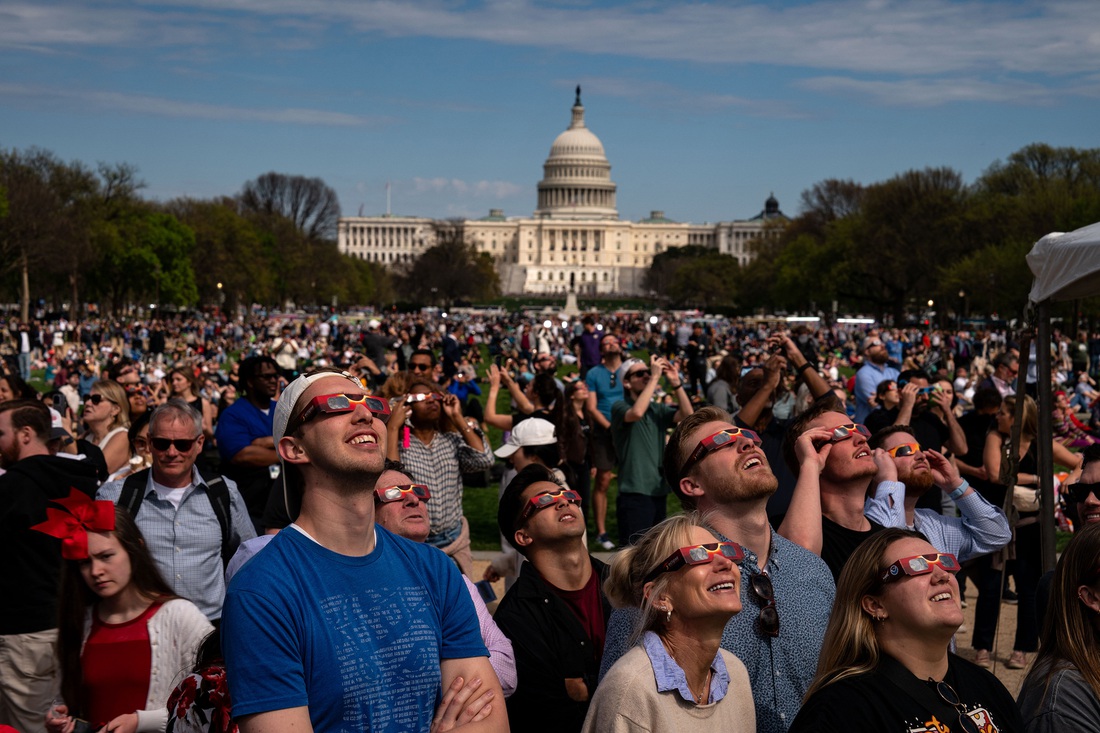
column 183, row 445
column 921, row 565
column 614, row 379
column 97, row 398
column 697, row 555
column 716, row 441
column 903, row 450
column 134, row 389
column 549, row 498
column 422, row 397
column 419, row 367
column 948, row 695
column 332, row 404
column 764, row 592
column 1080, row 492
column 843, row 432
column 639, row 373
column 386, row 494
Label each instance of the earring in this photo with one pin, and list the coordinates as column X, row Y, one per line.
column 668, row 614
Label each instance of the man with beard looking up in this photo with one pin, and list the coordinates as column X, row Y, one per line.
column 906, row 472
column 604, row 390
column 835, row 466
column 719, row 469
column 876, row 367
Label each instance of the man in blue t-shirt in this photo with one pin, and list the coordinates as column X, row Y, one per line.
column 604, row 390
column 339, row 625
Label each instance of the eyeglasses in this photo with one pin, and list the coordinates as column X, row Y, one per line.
column 419, row 366
column 1080, row 492
column 948, row 695
column 183, row 445
column 386, row 494
column 639, row 373
column 921, row 565
column 422, row 397
column 697, row 555
column 97, row 398
column 332, row 404
column 903, row 450
column 843, row 432
column 548, row 498
column 764, row 591
column 713, row 442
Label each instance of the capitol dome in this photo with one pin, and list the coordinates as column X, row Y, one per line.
column 576, row 181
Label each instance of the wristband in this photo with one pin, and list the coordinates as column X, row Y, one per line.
column 805, row 365
column 681, row 384
column 962, row 489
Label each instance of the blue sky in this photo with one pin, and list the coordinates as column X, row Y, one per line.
column 703, row 108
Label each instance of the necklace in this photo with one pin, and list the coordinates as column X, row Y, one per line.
column 702, row 698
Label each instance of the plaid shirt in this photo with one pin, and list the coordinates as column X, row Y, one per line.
column 440, row 465
column 186, row 543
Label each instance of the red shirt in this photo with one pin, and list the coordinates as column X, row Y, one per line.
column 587, row 604
column 115, row 668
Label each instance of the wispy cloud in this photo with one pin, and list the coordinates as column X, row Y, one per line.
column 162, row 107
column 868, row 36
column 894, row 51
column 933, row 92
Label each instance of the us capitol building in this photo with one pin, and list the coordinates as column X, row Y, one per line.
column 575, row 241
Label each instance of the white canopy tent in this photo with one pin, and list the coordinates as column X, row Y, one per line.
column 1066, row 266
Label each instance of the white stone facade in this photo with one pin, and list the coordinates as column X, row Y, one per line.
column 575, row 239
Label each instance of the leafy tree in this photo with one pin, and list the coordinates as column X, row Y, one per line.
column 145, row 253
column 663, row 269
column 452, row 270
column 706, row 282
column 46, row 220
column 228, row 250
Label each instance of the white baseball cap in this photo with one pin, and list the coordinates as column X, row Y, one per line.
column 532, row 431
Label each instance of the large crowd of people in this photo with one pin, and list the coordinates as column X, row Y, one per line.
column 257, row 524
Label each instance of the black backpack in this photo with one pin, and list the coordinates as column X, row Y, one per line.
column 133, row 493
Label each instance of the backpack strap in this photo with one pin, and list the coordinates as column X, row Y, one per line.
column 218, row 493
column 133, row 491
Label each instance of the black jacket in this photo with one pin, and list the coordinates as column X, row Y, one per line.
column 32, row 559
column 550, row 646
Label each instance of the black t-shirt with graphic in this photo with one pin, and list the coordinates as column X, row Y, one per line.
column 875, row 702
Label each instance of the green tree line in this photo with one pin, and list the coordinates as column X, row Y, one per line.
column 887, row 248
column 70, row 234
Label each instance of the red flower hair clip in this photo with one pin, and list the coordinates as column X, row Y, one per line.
column 72, row 526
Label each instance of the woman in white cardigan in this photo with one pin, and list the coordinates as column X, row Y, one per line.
column 125, row 638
